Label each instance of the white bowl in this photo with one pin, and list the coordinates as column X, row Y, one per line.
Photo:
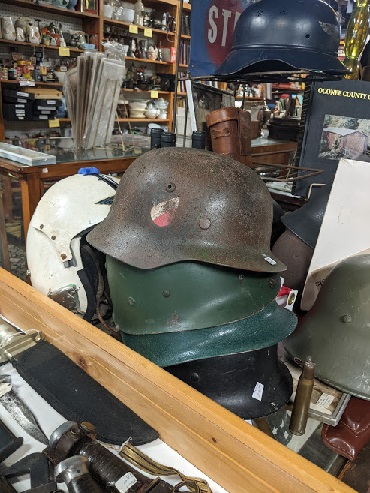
column 128, row 15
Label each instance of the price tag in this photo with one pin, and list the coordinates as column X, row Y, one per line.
column 258, row 391
column 132, row 29
column 154, row 94
column 325, row 400
column 54, row 123
column 148, row 33
column 64, row 51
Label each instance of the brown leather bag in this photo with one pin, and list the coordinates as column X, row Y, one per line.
column 352, row 432
column 230, row 132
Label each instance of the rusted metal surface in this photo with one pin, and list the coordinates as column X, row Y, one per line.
column 177, row 204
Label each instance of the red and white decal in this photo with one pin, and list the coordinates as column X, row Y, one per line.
column 164, row 213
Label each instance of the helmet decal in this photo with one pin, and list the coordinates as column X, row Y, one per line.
column 164, row 213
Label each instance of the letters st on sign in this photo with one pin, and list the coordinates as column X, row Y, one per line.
column 212, row 26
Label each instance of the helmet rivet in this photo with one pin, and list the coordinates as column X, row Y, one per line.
column 194, row 377
column 347, row 319
column 171, row 187
column 53, row 237
column 41, row 226
column 273, row 282
column 131, row 301
column 166, row 293
column 241, row 277
column 204, row 223
column 63, row 256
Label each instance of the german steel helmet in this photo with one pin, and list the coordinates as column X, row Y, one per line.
column 250, row 384
column 185, row 296
column 285, row 35
column 336, row 331
column 176, row 204
column 263, row 329
column 306, row 221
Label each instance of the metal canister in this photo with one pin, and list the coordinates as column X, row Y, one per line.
column 168, row 139
column 155, row 137
column 198, row 140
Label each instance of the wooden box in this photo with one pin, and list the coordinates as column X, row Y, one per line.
column 227, row 449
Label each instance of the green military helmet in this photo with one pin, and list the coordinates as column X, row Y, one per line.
column 336, row 331
column 261, row 330
column 185, row 296
column 176, row 204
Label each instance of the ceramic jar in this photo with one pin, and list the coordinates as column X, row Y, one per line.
column 8, row 28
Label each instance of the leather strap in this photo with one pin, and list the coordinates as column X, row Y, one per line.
column 143, row 462
column 245, row 129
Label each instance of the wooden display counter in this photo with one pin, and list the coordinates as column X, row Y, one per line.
column 234, row 454
column 32, row 180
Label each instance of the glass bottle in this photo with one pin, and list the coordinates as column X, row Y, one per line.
column 356, row 34
column 139, row 14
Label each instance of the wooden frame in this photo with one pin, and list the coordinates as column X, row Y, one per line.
column 236, row 455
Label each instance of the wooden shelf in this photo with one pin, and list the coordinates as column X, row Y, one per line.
column 140, row 28
column 186, row 6
column 173, row 3
column 54, row 84
column 141, row 91
column 185, row 36
column 142, row 120
column 146, row 60
column 46, row 8
column 248, row 98
column 24, row 43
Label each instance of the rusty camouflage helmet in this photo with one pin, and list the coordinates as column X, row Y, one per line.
column 177, row 204
column 336, row 331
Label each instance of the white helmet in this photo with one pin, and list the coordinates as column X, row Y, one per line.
column 61, row 263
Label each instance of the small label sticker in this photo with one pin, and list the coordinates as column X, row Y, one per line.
column 164, row 213
column 29, row 83
column 125, row 482
column 54, row 123
column 132, row 29
column 148, row 33
column 64, row 51
column 154, row 94
column 258, row 391
column 325, row 400
column 269, row 259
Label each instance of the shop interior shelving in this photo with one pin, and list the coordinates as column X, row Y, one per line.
column 94, row 23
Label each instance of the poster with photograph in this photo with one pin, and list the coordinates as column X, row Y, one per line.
column 337, row 127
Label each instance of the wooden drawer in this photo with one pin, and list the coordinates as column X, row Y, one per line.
column 227, row 449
